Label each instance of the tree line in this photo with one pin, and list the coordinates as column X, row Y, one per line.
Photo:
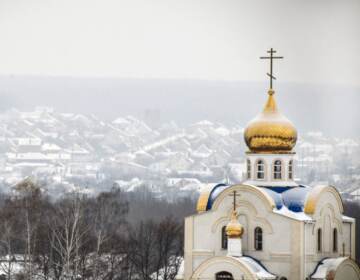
column 114, row 235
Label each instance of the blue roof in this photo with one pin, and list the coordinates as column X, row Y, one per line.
column 291, row 197
column 214, row 194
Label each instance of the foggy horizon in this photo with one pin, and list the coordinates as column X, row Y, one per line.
column 187, row 101
column 180, row 58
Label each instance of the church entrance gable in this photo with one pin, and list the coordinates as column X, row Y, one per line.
column 223, row 268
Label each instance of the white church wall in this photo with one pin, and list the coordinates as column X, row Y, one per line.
column 347, row 227
column 353, row 239
column 327, row 232
column 202, row 232
column 310, row 244
column 279, row 247
column 327, row 217
column 245, row 220
column 188, row 247
column 346, row 239
column 280, row 240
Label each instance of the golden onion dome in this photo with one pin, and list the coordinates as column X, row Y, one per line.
column 234, row 229
column 270, row 131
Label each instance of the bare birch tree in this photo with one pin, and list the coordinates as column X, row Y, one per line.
column 28, row 200
column 6, row 248
column 68, row 235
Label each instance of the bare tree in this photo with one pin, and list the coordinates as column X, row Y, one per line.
column 107, row 215
column 141, row 251
column 90, row 238
column 168, row 248
column 6, row 249
column 68, row 235
column 43, row 251
column 27, row 201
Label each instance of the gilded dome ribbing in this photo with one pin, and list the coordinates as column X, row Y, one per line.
column 270, row 131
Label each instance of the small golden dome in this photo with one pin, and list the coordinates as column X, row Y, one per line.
column 270, row 131
column 234, row 229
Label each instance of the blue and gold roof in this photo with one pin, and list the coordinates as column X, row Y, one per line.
column 208, row 196
column 300, row 199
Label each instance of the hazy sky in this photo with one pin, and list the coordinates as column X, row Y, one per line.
column 197, row 39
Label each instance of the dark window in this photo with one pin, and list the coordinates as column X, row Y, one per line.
column 277, row 169
column 319, row 240
column 258, row 239
column 248, row 169
column 223, row 275
column 335, row 240
column 224, row 238
column 260, row 169
column 290, row 170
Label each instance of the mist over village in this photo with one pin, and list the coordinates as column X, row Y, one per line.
column 71, row 152
column 179, row 140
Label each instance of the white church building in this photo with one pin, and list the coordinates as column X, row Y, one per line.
column 269, row 226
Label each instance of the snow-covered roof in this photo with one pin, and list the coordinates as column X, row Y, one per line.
column 301, row 216
column 222, row 131
column 202, row 152
column 120, row 121
column 348, row 143
column 325, row 266
column 50, row 147
column 27, row 156
column 288, row 201
column 348, row 219
column 356, row 192
column 256, row 267
column 129, row 185
column 203, row 123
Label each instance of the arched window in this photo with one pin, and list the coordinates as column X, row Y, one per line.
column 248, row 169
column 260, row 169
column 277, row 169
column 335, row 240
column 319, row 240
column 224, row 275
column 224, row 238
column 290, row 170
column 258, row 238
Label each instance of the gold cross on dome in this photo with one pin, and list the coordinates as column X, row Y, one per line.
column 271, row 57
column 234, row 195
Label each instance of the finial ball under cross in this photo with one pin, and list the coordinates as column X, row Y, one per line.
column 271, row 57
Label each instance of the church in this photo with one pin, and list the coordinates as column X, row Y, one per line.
column 269, row 226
